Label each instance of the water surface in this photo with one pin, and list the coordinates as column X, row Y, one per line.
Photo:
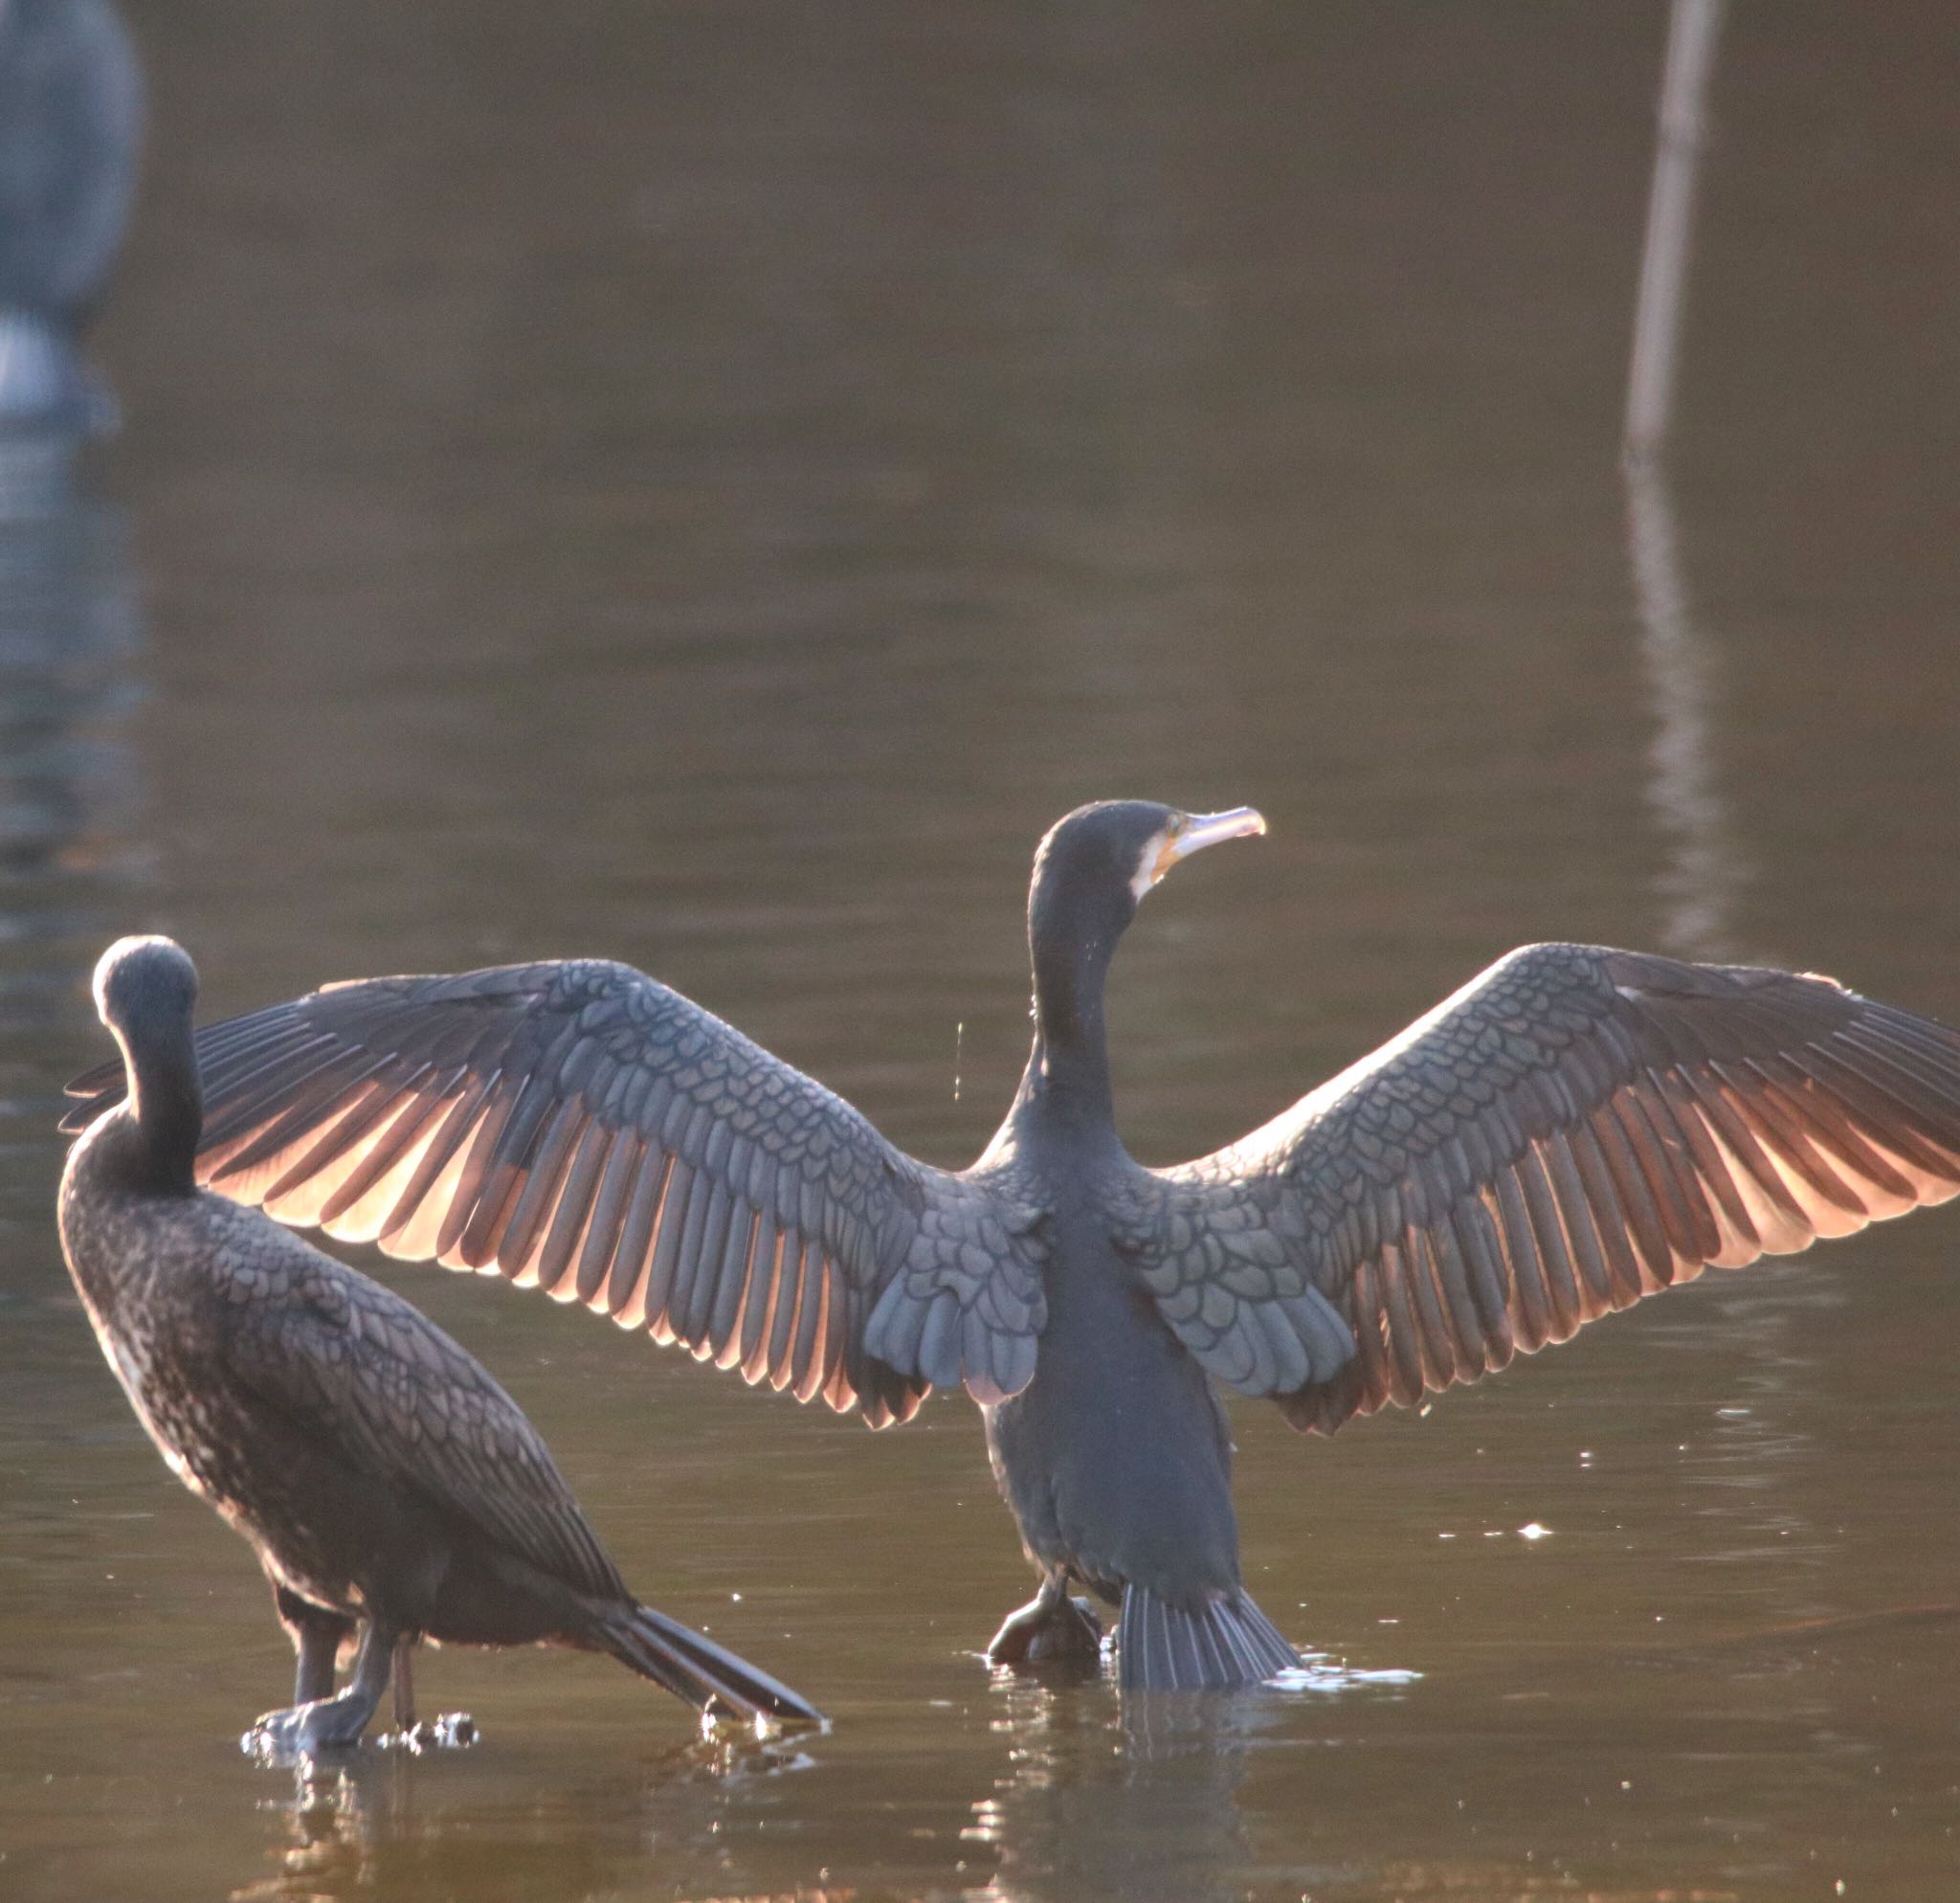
column 706, row 486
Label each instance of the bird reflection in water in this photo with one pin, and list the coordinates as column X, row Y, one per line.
column 1136, row 1800
column 69, row 788
column 71, row 114
column 383, row 1825
column 71, row 106
column 68, row 636
column 1099, row 1801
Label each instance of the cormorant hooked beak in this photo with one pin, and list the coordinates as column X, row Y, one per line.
column 1189, row 833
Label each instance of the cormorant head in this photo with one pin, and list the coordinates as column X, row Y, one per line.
column 144, row 984
column 1091, row 872
column 1093, row 867
column 144, row 990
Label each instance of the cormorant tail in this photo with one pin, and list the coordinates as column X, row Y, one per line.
column 699, row 1670
column 1225, row 1643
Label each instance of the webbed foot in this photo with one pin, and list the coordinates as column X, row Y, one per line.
column 453, row 1730
column 326, row 1724
column 305, row 1731
column 1050, row 1629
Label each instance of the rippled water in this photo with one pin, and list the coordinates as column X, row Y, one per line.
column 707, row 487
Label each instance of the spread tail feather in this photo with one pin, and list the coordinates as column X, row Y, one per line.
column 700, row 1671
column 1225, row 1643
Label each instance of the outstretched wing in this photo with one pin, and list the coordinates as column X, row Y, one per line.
column 577, row 1126
column 1574, row 1129
column 368, row 1379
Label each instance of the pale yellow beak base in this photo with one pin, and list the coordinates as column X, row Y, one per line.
column 1195, row 832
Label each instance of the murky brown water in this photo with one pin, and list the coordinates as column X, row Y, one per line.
column 706, row 486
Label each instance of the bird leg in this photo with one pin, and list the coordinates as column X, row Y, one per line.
column 329, row 1724
column 453, row 1730
column 317, row 1636
column 1051, row 1629
column 404, row 1685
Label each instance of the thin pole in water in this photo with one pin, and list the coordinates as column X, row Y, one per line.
column 1706, row 866
column 1692, row 30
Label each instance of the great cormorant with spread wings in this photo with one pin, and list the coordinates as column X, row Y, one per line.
column 1574, row 1129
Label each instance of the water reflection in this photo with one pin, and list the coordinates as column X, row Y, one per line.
column 1748, row 1466
column 1705, row 867
column 1165, row 399
column 1094, row 1804
column 69, row 788
column 69, row 635
column 1142, row 1799
column 385, row 1823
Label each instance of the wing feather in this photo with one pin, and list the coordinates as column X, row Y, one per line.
column 1575, row 1128
column 577, row 1126
column 375, row 1382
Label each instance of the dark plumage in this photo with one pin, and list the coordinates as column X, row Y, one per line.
column 1574, row 1129
column 388, row 1485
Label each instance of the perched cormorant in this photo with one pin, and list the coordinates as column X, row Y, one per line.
column 1574, row 1129
column 386, row 1481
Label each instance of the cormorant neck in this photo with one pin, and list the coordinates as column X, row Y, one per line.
column 165, row 1108
column 1069, row 1066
